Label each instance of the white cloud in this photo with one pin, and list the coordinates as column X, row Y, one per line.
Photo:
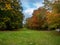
column 28, row 12
column 37, row 5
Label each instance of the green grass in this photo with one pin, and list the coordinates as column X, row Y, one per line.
column 29, row 37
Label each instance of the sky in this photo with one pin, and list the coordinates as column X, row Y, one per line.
column 29, row 6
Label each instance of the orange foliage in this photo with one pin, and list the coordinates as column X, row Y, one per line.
column 51, row 17
column 35, row 21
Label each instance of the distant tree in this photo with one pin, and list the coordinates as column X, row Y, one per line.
column 38, row 20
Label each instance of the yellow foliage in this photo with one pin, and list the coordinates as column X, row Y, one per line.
column 8, row 6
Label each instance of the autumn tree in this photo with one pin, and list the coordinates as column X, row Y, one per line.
column 53, row 15
column 37, row 21
column 56, row 11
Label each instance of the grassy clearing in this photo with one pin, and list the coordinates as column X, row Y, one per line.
column 28, row 37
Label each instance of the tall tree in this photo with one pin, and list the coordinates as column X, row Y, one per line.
column 11, row 16
column 53, row 17
column 37, row 21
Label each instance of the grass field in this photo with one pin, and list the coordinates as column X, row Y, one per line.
column 28, row 37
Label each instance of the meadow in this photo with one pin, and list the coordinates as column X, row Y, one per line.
column 29, row 37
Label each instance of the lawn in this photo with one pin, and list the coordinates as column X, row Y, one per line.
column 29, row 37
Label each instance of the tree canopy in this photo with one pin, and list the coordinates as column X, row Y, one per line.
column 11, row 16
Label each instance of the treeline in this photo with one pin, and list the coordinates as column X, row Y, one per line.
column 46, row 17
column 11, row 16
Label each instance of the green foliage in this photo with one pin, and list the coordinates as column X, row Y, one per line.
column 11, row 16
column 2, row 25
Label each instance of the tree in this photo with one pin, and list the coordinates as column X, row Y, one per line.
column 47, row 4
column 56, row 11
column 11, row 16
column 56, row 6
column 37, row 21
column 53, row 15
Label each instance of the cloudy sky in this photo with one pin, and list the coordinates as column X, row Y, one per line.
column 29, row 6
